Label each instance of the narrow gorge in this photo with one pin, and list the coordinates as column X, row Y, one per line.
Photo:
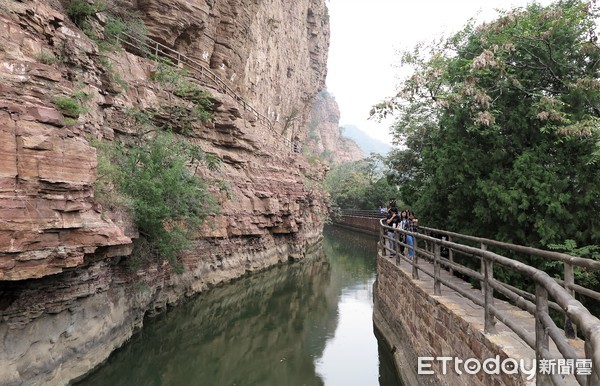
column 72, row 288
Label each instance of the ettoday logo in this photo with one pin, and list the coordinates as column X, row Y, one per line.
column 492, row 366
column 495, row 366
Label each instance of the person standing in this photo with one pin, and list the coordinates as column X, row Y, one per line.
column 412, row 226
column 392, row 220
column 404, row 226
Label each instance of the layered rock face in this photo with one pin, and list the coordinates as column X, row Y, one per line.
column 271, row 52
column 47, row 218
column 325, row 138
column 68, row 295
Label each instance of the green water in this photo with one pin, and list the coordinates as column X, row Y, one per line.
column 306, row 323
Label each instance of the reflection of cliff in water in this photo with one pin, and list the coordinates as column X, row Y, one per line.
column 258, row 330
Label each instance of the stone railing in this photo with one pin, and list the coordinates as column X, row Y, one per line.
column 445, row 250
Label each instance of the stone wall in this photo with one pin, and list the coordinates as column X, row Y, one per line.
column 363, row 224
column 418, row 324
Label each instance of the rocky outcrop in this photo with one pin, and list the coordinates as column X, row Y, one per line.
column 325, row 138
column 48, row 221
column 69, row 294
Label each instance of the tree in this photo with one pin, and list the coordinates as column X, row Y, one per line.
column 360, row 184
column 155, row 179
column 502, row 126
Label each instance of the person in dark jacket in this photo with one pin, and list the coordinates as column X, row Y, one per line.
column 392, row 220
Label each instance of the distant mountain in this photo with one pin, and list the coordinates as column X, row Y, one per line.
column 367, row 144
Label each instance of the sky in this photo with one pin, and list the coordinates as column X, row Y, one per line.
column 366, row 36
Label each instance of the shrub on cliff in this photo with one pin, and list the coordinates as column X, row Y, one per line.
column 104, row 21
column 81, row 10
column 186, row 103
column 153, row 179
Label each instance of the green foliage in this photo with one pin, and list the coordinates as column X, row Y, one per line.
column 107, row 191
column 359, row 185
column 113, row 28
column 79, row 11
column 46, row 57
column 72, row 106
column 120, row 18
column 289, row 120
column 500, row 124
column 153, row 179
column 187, row 102
column 118, row 22
column 70, row 121
column 115, row 83
column 583, row 277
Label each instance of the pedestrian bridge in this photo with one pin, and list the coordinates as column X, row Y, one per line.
column 448, row 304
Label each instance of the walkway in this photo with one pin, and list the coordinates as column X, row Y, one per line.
column 504, row 338
column 442, row 258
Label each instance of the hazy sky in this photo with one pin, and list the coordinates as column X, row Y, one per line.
column 366, row 36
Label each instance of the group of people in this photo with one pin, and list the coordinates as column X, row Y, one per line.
column 404, row 220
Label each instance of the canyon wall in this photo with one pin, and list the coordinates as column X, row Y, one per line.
column 325, row 138
column 69, row 293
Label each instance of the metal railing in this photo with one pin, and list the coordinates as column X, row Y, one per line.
column 442, row 253
column 150, row 48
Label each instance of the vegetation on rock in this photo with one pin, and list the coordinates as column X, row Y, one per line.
column 155, row 180
column 152, row 174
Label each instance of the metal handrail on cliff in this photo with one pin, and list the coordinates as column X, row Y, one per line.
column 537, row 304
column 197, row 67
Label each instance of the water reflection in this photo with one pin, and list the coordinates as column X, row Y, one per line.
column 308, row 323
column 350, row 356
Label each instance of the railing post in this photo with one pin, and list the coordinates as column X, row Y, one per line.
column 570, row 328
column 594, row 377
column 397, row 246
column 488, row 291
column 437, row 290
column 381, row 239
column 415, row 259
column 541, row 337
column 482, row 264
column 450, row 257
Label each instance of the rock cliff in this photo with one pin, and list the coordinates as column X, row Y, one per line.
column 68, row 292
column 325, row 138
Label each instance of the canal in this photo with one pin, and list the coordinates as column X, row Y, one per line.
column 306, row 323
